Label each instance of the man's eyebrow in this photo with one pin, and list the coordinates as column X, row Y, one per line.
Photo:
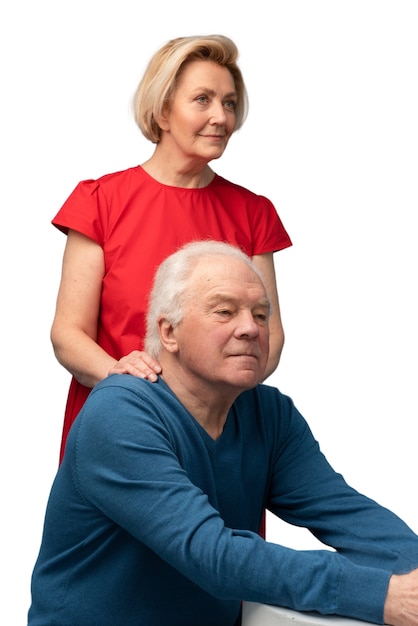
column 217, row 297
column 220, row 296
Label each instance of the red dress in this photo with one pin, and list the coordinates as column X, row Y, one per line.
column 139, row 222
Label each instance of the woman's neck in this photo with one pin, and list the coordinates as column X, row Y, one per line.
column 186, row 173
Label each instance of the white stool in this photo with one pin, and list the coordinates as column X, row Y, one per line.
column 255, row 614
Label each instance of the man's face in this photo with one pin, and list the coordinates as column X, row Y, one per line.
column 223, row 340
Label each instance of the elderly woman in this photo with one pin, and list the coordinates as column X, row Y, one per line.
column 119, row 228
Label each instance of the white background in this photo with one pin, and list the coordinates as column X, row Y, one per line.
column 331, row 139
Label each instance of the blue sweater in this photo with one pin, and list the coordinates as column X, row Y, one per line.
column 151, row 522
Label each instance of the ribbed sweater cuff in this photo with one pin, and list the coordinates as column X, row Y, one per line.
column 358, row 598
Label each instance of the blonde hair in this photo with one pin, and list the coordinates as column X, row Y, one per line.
column 158, row 84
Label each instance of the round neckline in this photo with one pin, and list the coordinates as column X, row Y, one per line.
column 157, row 182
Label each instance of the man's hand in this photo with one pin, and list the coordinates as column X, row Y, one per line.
column 401, row 605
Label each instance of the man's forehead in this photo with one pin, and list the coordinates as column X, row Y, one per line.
column 221, row 268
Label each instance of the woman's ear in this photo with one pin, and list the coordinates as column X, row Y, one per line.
column 167, row 335
column 163, row 119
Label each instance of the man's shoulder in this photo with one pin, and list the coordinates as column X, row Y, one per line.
column 118, row 388
column 125, row 400
column 123, row 389
column 122, row 381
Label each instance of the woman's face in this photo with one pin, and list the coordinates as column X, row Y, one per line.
column 201, row 118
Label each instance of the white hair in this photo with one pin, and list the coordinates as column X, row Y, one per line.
column 169, row 292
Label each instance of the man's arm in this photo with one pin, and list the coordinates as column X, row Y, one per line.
column 128, row 467
column 306, row 491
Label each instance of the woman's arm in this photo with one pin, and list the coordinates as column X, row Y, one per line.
column 74, row 328
column 265, row 263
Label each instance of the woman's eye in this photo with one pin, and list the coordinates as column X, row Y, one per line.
column 202, row 99
column 231, row 105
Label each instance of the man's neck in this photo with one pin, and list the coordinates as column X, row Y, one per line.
column 208, row 406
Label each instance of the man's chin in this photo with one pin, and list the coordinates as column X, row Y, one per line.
column 247, row 379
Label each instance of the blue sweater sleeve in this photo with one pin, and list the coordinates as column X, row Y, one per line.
column 133, row 472
column 306, row 491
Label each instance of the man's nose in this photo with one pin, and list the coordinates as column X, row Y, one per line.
column 247, row 325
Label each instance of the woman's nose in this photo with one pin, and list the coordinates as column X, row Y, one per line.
column 218, row 115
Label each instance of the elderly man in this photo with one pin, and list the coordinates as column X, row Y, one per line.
column 153, row 515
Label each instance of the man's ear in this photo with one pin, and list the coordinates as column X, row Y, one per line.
column 167, row 335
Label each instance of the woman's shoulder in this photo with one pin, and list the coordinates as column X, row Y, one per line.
column 228, row 185
column 118, row 177
column 113, row 180
column 234, row 192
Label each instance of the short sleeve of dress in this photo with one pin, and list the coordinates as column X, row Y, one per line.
column 255, row 223
column 85, row 211
column 269, row 234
